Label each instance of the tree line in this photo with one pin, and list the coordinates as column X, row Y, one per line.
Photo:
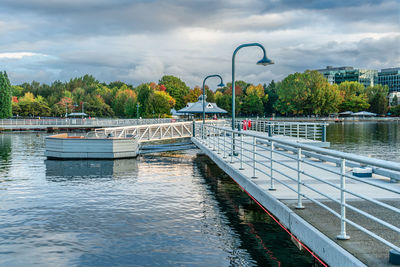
column 299, row 94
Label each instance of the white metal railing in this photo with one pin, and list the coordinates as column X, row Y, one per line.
column 306, row 130
column 289, row 164
column 149, row 132
column 81, row 122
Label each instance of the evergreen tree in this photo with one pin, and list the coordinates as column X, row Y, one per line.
column 5, row 96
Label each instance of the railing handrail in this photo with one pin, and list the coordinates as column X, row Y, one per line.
column 81, row 121
column 395, row 166
column 257, row 145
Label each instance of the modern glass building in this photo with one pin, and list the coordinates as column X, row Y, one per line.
column 350, row 74
column 391, row 78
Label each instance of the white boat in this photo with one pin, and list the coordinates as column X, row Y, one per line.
column 63, row 146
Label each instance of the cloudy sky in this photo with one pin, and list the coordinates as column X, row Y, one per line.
column 141, row 40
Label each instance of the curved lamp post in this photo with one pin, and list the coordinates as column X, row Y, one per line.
column 221, row 84
column 264, row 61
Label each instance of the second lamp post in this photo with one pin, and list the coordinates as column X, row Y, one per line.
column 221, row 84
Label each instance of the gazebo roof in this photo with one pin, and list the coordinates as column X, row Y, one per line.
column 197, row 107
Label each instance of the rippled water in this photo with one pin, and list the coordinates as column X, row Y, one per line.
column 171, row 210
column 373, row 139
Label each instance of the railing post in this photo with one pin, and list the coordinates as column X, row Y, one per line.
column 224, row 145
column 299, row 171
column 254, row 157
column 315, row 131
column 343, row 235
column 324, row 132
column 215, row 136
column 232, row 146
column 306, row 131
column 272, row 187
column 241, row 152
column 194, row 129
column 218, row 148
column 269, row 130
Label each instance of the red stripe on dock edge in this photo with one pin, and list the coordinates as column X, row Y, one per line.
column 276, row 220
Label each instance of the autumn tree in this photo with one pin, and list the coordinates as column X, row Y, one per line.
column 176, row 88
column 353, row 97
column 193, row 95
column 31, row 106
column 160, row 103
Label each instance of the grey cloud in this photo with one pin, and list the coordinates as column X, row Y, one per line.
column 138, row 41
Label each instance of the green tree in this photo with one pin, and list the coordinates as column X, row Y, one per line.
column 353, row 96
column 270, row 90
column 355, row 103
column 105, row 92
column 16, row 109
column 124, row 103
column 160, row 104
column 130, row 108
column 395, row 110
column 5, row 96
column 377, row 98
column 17, row 90
column 176, row 88
column 143, row 92
column 224, row 101
column 96, row 106
column 252, row 105
column 305, row 94
column 395, row 101
column 210, row 96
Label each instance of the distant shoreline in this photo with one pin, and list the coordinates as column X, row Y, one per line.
column 326, row 119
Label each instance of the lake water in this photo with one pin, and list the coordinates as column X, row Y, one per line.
column 173, row 210
column 372, row 139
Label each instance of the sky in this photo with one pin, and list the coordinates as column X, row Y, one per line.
column 138, row 41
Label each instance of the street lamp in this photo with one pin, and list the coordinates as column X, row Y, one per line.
column 221, row 84
column 264, row 61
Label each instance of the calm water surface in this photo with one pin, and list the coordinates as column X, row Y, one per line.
column 372, row 139
column 172, row 210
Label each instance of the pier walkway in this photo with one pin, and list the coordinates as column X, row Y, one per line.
column 346, row 220
column 73, row 123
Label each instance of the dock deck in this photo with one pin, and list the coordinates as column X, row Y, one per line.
column 314, row 225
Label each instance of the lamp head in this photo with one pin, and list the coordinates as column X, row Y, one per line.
column 265, row 61
column 221, row 85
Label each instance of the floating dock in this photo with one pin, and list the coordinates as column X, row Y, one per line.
column 63, row 146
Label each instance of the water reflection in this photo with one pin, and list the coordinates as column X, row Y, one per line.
column 59, row 170
column 5, row 147
column 261, row 236
column 5, row 152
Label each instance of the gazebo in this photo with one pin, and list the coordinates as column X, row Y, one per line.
column 197, row 108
